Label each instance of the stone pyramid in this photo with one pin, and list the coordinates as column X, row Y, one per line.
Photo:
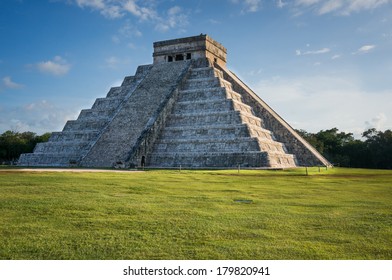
column 186, row 109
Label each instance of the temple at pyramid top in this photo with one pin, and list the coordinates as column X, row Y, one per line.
column 201, row 46
column 185, row 109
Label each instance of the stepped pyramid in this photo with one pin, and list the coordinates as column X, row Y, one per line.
column 186, row 109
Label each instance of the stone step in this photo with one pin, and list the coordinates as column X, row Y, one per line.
column 212, row 159
column 251, row 119
column 240, row 144
column 217, row 135
column 106, row 103
column 268, row 145
column 74, row 136
column 197, row 83
column 85, row 125
column 207, row 118
column 259, row 132
column 48, row 159
column 95, row 114
column 203, row 106
column 207, row 82
column 226, row 84
column 72, row 147
column 278, row 160
column 208, row 94
column 211, row 105
column 205, row 131
column 202, row 118
column 128, row 81
column 220, row 159
column 116, row 92
column 204, row 72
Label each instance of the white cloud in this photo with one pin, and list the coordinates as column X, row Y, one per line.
column 249, row 6
column 336, row 56
column 96, row 4
column 127, row 31
column 252, row 5
column 112, row 12
column 118, row 8
column 175, row 18
column 307, row 2
column 330, row 6
column 112, row 62
column 58, row 66
column 146, row 11
column 143, row 13
column 358, row 5
column 364, row 49
column 378, row 122
column 320, row 51
column 280, row 3
column 322, row 102
column 107, row 8
column 8, row 83
column 342, row 7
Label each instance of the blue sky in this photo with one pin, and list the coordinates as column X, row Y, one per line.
column 318, row 63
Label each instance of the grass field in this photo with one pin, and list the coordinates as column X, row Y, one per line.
column 162, row 214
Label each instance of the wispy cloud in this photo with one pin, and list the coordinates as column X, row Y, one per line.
column 127, row 31
column 378, row 122
column 115, row 62
column 57, row 66
column 364, row 49
column 175, row 17
column 248, row 6
column 320, row 51
column 146, row 11
column 341, row 7
column 8, row 83
column 141, row 12
column 280, row 3
column 109, row 9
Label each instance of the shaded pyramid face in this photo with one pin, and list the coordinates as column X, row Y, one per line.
column 187, row 109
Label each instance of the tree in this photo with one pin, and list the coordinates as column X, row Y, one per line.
column 380, row 146
column 13, row 144
column 342, row 149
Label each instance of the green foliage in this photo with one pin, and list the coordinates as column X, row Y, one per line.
column 13, row 144
column 254, row 214
column 343, row 150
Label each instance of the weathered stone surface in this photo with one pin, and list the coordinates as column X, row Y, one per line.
column 187, row 109
column 121, row 135
column 78, row 136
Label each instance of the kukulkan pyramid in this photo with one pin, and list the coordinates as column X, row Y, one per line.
column 186, row 109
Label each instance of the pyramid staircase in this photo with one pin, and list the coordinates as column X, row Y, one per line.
column 210, row 126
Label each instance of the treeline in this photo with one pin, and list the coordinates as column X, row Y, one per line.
column 341, row 149
column 13, row 144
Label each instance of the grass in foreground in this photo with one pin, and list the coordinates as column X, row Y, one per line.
column 334, row 214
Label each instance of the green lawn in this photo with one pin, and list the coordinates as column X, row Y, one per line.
column 167, row 214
